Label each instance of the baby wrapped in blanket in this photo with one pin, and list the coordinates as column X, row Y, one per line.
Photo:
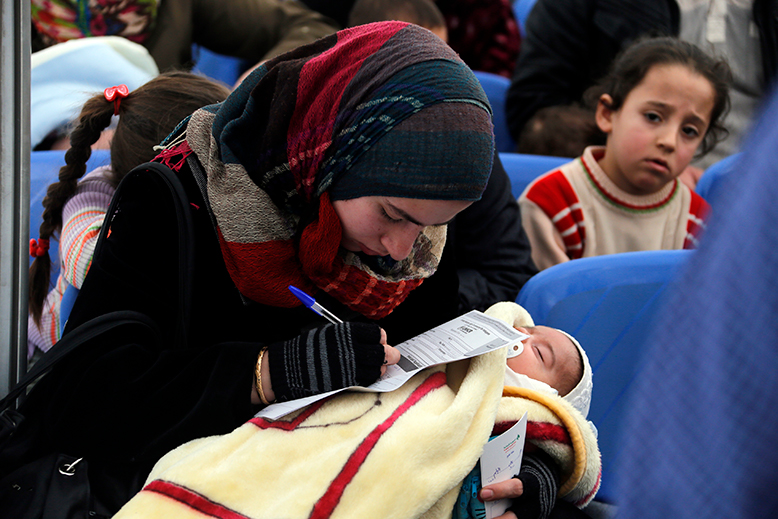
column 552, row 362
column 402, row 454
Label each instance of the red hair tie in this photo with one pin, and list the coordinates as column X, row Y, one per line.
column 38, row 248
column 115, row 94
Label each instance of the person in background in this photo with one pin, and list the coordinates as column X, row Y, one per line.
column 570, row 44
column 560, row 131
column 75, row 207
column 663, row 99
column 421, row 12
column 484, row 33
column 254, row 30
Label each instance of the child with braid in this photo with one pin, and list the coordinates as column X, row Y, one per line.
column 74, row 207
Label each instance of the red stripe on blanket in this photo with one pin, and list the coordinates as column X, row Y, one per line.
column 588, row 497
column 192, row 499
column 292, row 425
column 538, row 431
column 325, row 506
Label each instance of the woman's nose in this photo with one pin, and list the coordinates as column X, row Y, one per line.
column 399, row 241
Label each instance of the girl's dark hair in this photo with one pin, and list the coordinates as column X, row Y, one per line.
column 146, row 117
column 420, row 12
column 633, row 63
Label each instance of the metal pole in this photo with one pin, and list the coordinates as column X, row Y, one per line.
column 14, row 187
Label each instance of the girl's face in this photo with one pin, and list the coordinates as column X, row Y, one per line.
column 388, row 226
column 655, row 133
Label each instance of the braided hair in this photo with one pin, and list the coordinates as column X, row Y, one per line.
column 146, row 116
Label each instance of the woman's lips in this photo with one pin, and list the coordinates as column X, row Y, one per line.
column 368, row 251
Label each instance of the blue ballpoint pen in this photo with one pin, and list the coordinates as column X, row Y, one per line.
column 313, row 305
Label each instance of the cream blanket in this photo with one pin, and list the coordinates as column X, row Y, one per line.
column 401, row 454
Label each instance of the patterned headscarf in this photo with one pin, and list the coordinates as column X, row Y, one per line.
column 63, row 20
column 323, row 114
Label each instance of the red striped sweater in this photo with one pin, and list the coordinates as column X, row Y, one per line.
column 576, row 211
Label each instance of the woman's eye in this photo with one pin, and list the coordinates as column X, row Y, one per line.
column 386, row 215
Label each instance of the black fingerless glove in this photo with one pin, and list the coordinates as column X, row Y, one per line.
column 540, row 476
column 324, row 359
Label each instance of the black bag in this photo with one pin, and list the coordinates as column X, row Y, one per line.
column 55, row 485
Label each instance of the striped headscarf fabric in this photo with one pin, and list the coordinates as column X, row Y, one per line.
column 339, row 116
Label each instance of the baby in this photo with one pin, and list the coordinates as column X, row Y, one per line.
column 551, row 361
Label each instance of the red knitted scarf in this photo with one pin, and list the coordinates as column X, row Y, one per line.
column 264, row 167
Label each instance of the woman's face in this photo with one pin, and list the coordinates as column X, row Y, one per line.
column 388, row 226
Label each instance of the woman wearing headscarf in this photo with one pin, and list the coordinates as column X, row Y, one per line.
column 334, row 168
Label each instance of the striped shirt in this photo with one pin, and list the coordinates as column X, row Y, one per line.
column 82, row 218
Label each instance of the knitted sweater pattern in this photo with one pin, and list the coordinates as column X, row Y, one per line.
column 576, row 211
column 82, row 218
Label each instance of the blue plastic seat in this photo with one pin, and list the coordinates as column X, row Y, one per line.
column 44, row 170
column 521, row 9
column 226, row 69
column 710, row 185
column 524, row 168
column 68, row 300
column 609, row 303
column 496, row 89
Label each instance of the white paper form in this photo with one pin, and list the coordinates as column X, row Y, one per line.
column 501, row 460
column 469, row 335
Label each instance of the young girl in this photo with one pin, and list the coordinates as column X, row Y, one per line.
column 662, row 100
column 76, row 209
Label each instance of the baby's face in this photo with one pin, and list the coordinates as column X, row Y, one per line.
column 549, row 356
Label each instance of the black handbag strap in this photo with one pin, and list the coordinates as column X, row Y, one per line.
column 68, row 343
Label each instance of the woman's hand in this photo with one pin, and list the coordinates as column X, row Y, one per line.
column 324, row 359
column 509, row 489
column 391, row 354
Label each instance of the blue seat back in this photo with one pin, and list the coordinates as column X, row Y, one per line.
column 220, row 67
column 68, row 300
column 713, row 180
column 496, row 89
column 609, row 304
column 44, row 170
column 521, row 9
column 523, row 168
